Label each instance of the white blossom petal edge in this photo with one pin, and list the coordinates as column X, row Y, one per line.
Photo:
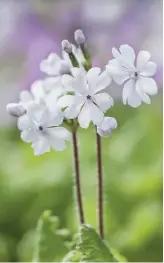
column 88, row 103
column 139, row 84
column 106, row 127
column 51, row 65
column 40, row 127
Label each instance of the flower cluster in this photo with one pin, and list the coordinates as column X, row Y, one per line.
column 75, row 93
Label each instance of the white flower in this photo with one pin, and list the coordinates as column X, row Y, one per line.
column 48, row 89
column 40, row 127
column 106, row 127
column 87, row 103
column 138, row 84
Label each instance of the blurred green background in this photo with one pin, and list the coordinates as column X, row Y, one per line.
column 132, row 156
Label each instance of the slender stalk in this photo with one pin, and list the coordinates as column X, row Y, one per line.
column 77, row 177
column 100, row 187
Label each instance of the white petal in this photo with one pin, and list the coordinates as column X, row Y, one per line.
column 72, row 111
column 60, row 133
column 142, row 59
column 104, row 133
column 54, row 118
column 58, row 145
column 92, row 74
column 84, row 117
column 128, row 53
column 103, row 100
column 24, row 122
column 104, row 80
column 36, row 110
column 130, row 95
column 52, row 98
column 52, row 83
column 29, row 135
column 97, row 114
column 145, row 98
column 37, row 89
column 25, row 96
column 66, row 101
column 108, row 123
column 51, row 65
column 127, row 90
column 125, row 58
column 75, row 71
column 148, row 85
column 149, row 69
column 116, row 53
column 118, row 73
column 41, row 146
column 134, row 100
column 107, row 126
column 53, row 57
column 80, row 83
column 67, row 82
column 92, row 78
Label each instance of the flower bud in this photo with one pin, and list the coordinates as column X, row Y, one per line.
column 106, row 127
column 15, row 109
column 64, row 67
column 79, row 37
column 67, row 46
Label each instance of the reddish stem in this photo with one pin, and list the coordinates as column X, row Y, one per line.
column 77, row 177
column 100, row 186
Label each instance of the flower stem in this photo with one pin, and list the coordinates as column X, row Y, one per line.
column 100, row 187
column 77, row 177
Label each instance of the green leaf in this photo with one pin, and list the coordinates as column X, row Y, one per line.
column 118, row 256
column 50, row 245
column 72, row 256
column 92, row 247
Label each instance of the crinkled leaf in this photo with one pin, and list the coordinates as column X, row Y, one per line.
column 92, row 247
column 50, row 244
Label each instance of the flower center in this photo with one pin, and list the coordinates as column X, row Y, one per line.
column 88, row 97
column 40, row 127
column 136, row 74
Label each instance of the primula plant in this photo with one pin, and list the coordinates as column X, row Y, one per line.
column 73, row 96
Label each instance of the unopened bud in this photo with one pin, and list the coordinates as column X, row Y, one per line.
column 64, row 67
column 67, row 46
column 79, row 37
column 15, row 109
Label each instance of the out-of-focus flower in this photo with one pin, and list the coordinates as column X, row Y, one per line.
column 48, row 89
column 86, row 103
column 51, row 65
column 40, row 127
column 137, row 80
column 106, row 127
column 55, row 65
column 35, row 94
